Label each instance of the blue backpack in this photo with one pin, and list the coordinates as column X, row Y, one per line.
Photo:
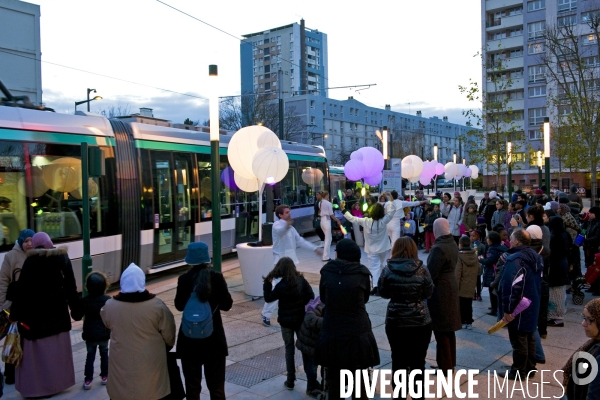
column 197, row 321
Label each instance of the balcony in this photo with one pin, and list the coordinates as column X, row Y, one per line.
column 506, row 43
column 492, row 87
column 491, row 5
column 507, row 63
column 504, row 23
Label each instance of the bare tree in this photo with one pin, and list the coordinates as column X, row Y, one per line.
column 572, row 67
column 237, row 112
column 405, row 142
column 118, row 111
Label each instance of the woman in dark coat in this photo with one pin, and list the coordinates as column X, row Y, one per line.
column 293, row 292
column 444, row 304
column 558, row 271
column 47, row 291
column 211, row 351
column 346, row 340
column 407, row 324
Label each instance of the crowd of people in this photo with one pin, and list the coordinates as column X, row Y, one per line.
column 520, row 250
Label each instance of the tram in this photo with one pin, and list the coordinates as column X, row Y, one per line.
column 154, row 198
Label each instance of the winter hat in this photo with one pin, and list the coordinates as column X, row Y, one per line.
column 480, row 220
column 312, row 304
column 96, row 283
column 562, row 194
column 133, row 279
column 348, row 250
column 563, row 200
column 554, row 206
column 535, row 232
column 573, row 189
column 539, row 191
column 197, row 253
column 41, row 239
column 457, row 194
column 493, row 194
column 585, row 217
column 441, row 227
column 23, row 236
column 564, row 208
column 471, row 197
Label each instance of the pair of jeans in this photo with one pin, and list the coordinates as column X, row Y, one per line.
column 523, row 344
column 539, row 350
column 409, row 348
column 310, row 368
column 214, row 372
column 91, row 346
column 290, row 350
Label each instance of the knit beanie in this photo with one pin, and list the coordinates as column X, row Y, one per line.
column 24, row 235
column 348, row 250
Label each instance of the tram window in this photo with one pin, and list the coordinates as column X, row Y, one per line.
column 297, row 189
column 227, row 194
column 41, row 189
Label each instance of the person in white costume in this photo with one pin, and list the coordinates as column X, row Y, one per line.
column 393, row 227
column 377, row 242
column 285, row 241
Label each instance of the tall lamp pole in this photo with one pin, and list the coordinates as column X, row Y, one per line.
column 386, row 153
column 77, row 103
column 215, row 166
column 539, row 164
column 435, row 157
column 547, row 153
column 509, row 165
column 454, row 161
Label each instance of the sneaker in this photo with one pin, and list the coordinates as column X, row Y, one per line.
column 555, row 323
column 314, row 393
column 464, row 326
column 87, row 385
column 469, row 326
column 288, row 385
column 104, row 380
column 266, row 321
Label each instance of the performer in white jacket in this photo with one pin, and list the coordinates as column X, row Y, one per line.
column 393, row 227
column 377, row 242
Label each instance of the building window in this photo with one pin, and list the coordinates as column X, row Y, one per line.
column 536, row 5
column 535, row 134
column 537, row 115
column 590, row 40
column 517, row 74
column 517, row 95
column 537, row 73
column 567, row 5
column 568, row 20
column 588, row 16
column 312, row 104
column 535, row 30
column 535, row 48
column 591, row 61
column 538, row 91
column 515, row 53
column 515, row 32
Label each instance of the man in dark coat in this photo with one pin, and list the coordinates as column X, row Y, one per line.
column 483, row 203
column 346, row 340
column 521, row 277
column 444, row 305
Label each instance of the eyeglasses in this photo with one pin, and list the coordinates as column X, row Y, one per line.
column 587, row 320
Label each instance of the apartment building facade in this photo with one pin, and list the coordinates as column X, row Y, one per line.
column 514, row 48
column 299, row 52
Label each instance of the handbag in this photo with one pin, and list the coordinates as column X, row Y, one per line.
column 463, row 229
column 317, row 222
column 12, row 352
column 579, row 240
column 177, row 390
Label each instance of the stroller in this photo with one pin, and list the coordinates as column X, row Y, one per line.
column 577, row 287
column 591, row 275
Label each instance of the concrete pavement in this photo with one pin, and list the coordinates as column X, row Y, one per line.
column 256, row 361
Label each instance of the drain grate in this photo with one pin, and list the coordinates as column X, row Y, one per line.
column 245, row 306
column 244, row 375
column 272, row 360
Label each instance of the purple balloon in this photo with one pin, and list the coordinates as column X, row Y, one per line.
column 372, row 161
column 439, row 169
column 356, row 155
column 468, row 172
column 354, row 170
column 425, row 181
column 374, row 180
column 227, row 178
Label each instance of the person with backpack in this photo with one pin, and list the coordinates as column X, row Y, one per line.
column 95, row 333
column 9, row 276
column 202, row 294
column 293, row 292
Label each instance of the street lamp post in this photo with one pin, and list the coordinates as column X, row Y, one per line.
column 88, row 99
column 547, row 153
column 214, row 167
column 539, row 164
column 435, row 157
column 509, row 165
column 386, row 153
column 454, row 161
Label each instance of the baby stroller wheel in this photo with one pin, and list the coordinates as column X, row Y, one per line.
column 578, row 298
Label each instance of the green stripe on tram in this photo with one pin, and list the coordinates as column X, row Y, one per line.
column 296, row 157
column 53, row 137
column 169, row 146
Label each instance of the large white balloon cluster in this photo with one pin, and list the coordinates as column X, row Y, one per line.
column 412, row 167
column 365, row 163
column 430, row 170
column 256, row 157
column 457, row 171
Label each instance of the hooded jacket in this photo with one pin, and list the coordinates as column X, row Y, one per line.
column 93, row 327
column 467, row 271
column 408, row 284
column 522, row 277
column 489, row 261
column 346, row 340
column 13, row 260
column 47, row 290
column 292, row 297
column 309, row 331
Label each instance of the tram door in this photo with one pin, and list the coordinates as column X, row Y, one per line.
column 173, row 224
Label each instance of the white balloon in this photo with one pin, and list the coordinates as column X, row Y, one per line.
column 245, row 143
column 448, row 176
column 407, row 171
column 417, row 164
column 474, row 168
column 414, row 179
column 270, row 165
column 475, row 175
column 312, row 176
column 245, row 184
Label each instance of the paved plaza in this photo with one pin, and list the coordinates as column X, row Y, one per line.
column 256, row 361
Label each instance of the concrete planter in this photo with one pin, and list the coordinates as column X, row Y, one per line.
column 255, row 262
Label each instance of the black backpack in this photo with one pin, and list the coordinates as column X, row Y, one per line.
column 13, row 287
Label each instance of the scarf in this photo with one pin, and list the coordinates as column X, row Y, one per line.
column 441, row 227
column 593, row 308
column 135, row 297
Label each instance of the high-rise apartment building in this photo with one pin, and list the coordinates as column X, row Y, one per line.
column 514, row 49
column 300, row 52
